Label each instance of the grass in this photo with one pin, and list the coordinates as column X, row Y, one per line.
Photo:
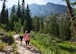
column 14, row 48
column 44, row 43
column 68, row 46
column 2, row 45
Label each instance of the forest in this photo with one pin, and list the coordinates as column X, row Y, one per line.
column 53, row 34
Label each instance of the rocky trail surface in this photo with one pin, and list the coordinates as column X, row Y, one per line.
column 23, row 50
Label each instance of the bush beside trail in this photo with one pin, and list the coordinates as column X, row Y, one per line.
column 50, row 45
column 7, row 41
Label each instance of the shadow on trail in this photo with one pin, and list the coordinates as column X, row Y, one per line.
column 32, row 49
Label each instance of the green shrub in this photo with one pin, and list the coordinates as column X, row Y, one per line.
column 17, row 26
column 1, row 29
column 3, row 26
column 8, row 33
column 2, row 45
column 43, row 43
column 13, row 33
column 48, row 44
column 14, row 48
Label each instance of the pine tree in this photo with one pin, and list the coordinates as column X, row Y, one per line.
column 71, row 16
column 6, row 12
column 7, row 21
column 23, row 11
column 64, row 29
column 41, row 26
column 36, row 24
column 0, row 18
column 53, row 26
column 28, row 20
column 17, row 25
column 3, row 13
column 18, row 11
column 46, row 26
column 24, row 25
column 67, row 29
column 12, row 18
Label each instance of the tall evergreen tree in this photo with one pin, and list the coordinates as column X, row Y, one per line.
column 18, row 11
column 23, row 11
column 17, row 26
column 67, row 29
column 3, row 13
column 24, row 26
column 41, row 26
column 64, row 30
column 6, row 16
column 0, row 18
column 53, row 26
column 28, row 20
column 7, row 24
column 71, row 16
column 46, row 26
column 12, row 18
column 36, row 23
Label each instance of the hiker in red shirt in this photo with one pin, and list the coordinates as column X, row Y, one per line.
column 27, row 38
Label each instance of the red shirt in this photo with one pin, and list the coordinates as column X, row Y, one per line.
column 26, row 37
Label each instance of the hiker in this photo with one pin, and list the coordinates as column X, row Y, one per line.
column 27, row 38
column 21, row 37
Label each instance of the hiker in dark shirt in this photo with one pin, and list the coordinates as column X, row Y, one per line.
column 21, row 37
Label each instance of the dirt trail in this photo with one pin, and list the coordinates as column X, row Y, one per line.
column 23, row 50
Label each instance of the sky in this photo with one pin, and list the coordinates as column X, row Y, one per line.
column 10, row 3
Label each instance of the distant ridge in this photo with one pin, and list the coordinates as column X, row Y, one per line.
column 45, row 10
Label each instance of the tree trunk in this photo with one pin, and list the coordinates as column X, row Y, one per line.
column 70, row 15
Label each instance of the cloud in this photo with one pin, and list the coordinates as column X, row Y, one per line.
column 36, row 1
column 10, row 3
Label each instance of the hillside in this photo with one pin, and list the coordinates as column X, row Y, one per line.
column 44, row 10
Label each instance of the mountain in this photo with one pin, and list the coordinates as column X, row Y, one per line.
column 45, row 10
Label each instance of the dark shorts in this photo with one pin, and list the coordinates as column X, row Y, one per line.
column 27, row 42
column 21, row 37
